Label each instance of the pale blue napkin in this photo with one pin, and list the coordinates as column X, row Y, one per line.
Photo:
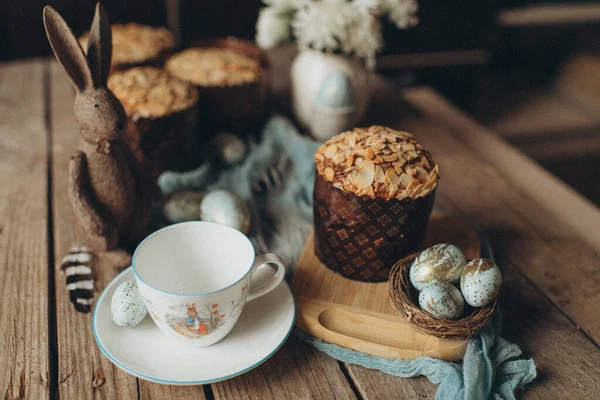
column 282, row 220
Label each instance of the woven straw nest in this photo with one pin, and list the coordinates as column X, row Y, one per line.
column 405, row 298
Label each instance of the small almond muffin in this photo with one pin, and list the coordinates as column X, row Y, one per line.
column 136, row 45
column 231, row 77
column 162, row 113
column 373, row 195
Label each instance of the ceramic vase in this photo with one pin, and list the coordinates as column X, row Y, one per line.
column 330, row 93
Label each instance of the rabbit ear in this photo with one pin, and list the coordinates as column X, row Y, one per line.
column 99, row 51
column 67, row 49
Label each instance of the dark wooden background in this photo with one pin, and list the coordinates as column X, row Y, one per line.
column 445, row 24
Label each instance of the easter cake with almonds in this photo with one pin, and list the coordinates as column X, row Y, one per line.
column 231, row 77
column 373, row 195
column 137, row 45
column 162, row 118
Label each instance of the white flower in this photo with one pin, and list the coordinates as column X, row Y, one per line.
column 321, row 25
column 272, row 28
column 401, row 12
column 338, row 26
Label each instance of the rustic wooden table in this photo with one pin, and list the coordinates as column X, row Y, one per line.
column 546, row 237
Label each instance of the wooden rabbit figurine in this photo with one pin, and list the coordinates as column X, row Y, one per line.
column 109, row 194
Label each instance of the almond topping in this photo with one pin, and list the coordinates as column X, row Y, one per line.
column 369, row 154
column 379, row 175
column 349, row 160
column 390, row 158
column 329, row 173
column 421, row 174
column 377, row 159
column 330, row 150
column 391, row 177
column 339, row 157
column 366, row 174
column 413, row 184
column 405, row 179
column 319, row 157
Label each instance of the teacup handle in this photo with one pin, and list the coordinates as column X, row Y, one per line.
column 261, row 262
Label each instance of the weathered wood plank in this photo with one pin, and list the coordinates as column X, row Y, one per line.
column 83, row 371
column 24, row 343
column 296, row 371
column 563, row 203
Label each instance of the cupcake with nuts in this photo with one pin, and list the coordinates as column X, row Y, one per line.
column 373, row 195
column 137, row 45
column 162, row 118
column 231, row 77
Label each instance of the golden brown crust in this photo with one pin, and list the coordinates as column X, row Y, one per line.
column 137, row 44
column 378, row 162
column 148, row 92
column 213, row 66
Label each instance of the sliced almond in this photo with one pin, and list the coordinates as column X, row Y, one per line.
column 352, row 139
column 359, row 152
column 319, row 156
column 412, row 185
column 390, row 158
column 391, row 177
column 349, row 159
column 369, row 153
column 412, row 155
column 329, row 174
column 366, row 174
column 421, row 174
column 426, row 163
column 377, row 159
column 387, row 152
column 405, row 179
column 379, row 174
column 330, row 150
column 339, row 158
column 393, row 190
column 378, row 146
column 358, row 161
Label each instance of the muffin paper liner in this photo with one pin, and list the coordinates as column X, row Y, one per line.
column 361, row 237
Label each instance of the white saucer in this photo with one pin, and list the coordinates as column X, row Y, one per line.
column 144, row 351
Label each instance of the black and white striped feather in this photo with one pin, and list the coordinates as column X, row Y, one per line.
column 77, row 267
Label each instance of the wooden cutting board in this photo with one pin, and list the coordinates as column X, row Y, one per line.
column 358, row 315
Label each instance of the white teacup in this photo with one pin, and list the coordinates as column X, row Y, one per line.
column 195, row 278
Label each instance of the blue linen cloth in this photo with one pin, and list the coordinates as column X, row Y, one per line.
column 281, row 222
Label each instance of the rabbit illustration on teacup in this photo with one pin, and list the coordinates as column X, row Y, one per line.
column 109, row 194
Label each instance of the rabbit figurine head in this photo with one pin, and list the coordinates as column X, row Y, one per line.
column 97, row 110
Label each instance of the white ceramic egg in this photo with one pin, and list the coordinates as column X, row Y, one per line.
column 439, row 263
column 225, row 208
column 442, row 300
column 229, row 148
column 480, row 282
column 183, row 206
column 126, row 305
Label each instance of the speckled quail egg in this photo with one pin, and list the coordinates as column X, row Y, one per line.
column 439, row 263
column 480, row 282
column 229, row 148
column 225, row 208
column 442, row 300
column 183, row 206
column 126, row 305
